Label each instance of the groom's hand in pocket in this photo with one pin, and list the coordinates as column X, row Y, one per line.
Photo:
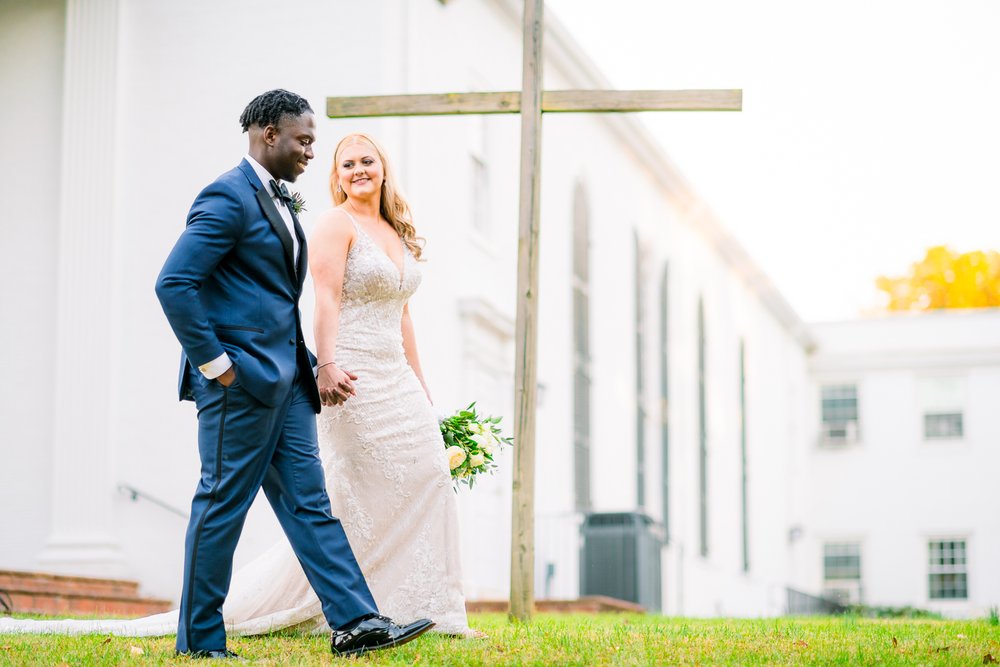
column 335, row 385
column 228, row 377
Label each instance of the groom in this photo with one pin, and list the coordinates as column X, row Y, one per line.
column 230, row 290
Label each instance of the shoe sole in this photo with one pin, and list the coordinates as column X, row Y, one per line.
column 361, row 650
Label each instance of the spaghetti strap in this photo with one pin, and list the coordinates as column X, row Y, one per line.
column 357, row 227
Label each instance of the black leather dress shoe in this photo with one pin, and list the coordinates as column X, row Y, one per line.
column 375, row 632
column 222, row 654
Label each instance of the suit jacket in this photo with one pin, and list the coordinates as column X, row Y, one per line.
column 230, row 285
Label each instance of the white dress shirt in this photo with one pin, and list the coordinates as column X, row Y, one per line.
column 286, row 215
column 222, row 363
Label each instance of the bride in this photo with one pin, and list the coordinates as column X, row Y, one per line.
column 379, row 440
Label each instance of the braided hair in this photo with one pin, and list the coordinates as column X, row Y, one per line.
column 268, row 108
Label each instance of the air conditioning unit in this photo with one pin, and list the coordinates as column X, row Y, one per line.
column 840, row 433
column 620, row 558
column 846, row 592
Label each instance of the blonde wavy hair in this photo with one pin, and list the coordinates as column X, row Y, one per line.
column 392, row 206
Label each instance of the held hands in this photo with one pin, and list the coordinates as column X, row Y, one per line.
column 335, row 385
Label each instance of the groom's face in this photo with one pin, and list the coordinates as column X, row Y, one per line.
column 293, row 146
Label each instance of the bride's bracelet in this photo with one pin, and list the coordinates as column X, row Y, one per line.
column 329, row 363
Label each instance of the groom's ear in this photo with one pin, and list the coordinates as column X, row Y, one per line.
column 270, row 134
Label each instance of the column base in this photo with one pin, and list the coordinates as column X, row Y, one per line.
column 92, row 555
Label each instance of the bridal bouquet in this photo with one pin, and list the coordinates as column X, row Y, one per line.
column 471, row 441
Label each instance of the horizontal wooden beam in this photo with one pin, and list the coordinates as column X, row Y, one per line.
column 604, row 101
column 553, row 101
column 423, row 105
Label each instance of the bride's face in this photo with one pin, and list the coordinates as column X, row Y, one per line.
column 359, row 171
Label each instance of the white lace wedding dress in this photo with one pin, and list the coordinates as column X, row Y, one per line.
column 387, row 478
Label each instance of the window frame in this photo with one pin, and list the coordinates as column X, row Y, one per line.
column 845, row 590
column 950, row 437
column 850, row 438
column 942, row 395
column 948, row 569
column 841, row 543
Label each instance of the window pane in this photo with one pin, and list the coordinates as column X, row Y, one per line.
column 581, row 238
column 842, row 561
column 581, row 346
column 581, row 323
column 948, row 587
column 943, row 425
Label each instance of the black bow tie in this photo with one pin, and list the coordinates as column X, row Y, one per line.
column 281, row 192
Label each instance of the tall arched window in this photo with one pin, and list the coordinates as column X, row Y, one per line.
column 640, row 374
column 664, row 406
column 702, row 437
column 581, row 350
column 744, row 513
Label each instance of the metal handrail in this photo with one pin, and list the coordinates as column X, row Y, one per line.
column 136, row 494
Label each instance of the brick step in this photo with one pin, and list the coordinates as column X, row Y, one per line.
column 42, row 593
column 41, row 582
column 57, row 605
column 591, row 604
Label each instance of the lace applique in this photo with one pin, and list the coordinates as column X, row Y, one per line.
column 422, row 594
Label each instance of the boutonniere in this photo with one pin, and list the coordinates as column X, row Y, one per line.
column 298, row 203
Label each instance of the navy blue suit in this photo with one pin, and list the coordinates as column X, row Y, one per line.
column 230, row 285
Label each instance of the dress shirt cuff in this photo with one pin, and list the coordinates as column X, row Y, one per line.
column 216, row 367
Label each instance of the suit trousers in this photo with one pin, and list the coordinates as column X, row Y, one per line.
column 244, row 446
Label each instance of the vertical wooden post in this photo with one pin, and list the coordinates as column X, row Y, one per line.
column 522, row 546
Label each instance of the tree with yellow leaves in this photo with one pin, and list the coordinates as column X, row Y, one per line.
column 946, row 279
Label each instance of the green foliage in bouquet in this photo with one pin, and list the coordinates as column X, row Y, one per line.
column 471, row 441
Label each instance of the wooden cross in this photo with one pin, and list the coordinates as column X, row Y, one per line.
column 530, row 102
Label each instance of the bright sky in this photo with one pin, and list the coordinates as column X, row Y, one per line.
column 870, row 129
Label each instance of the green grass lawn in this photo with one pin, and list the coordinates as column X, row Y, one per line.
column 607, row 639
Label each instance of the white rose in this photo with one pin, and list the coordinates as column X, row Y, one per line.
column 481, row 440
column 487, row 442
column 477, row 460
column 456, row 456
column 476, row 428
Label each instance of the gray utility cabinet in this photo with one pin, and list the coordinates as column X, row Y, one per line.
column 620, row 558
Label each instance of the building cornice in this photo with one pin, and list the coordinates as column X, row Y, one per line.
column 930, row 359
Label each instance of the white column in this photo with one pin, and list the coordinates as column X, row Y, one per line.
column 81, row 540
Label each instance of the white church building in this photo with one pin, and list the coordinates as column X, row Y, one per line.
column 685, row 412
